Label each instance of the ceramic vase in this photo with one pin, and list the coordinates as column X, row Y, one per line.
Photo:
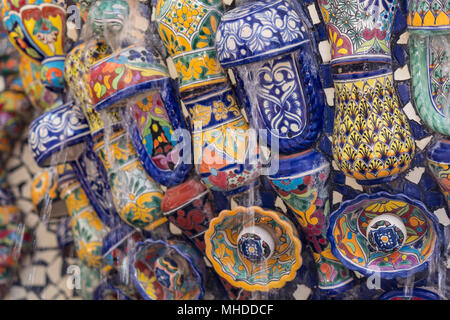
column 189, row 206
column 388, row 235
column 88, row 230
column 301, row 183
column 438, row 157
column 359, row 31
column 253, row 249
column 372, row 140
column 224, row 156
column 37, row 30
column 429, row 47
column 187, row 29
column 268, row 47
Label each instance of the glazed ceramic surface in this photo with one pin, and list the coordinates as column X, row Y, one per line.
column 222, row 154
column 167, row 270
column 414, row 294
column 439, row 164
column 372, row 139
column 347, row 233
column 283, row 92
column 37, row 29
column 245, row 261
column 429, row 43
column 302, row 184
column 190, row 207
column 359, row 31
column 187, row 29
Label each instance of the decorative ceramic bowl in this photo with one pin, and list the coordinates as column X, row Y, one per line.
column 167, row 270
column 58, row 135
column 105, row 291
column 414, row 294
column 189, row 206
column 439, row 163
column 429, row 42
column 283, row 92
column 301, row 182
column 387, row 255
column 253, row 249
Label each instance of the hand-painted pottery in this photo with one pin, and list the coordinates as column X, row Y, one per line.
column 283, row 92
column 347, row 233
column 429, row 43
column 169, row 270
column 359, row 31
column 253, row 260
column 108, row 16
column 44, row 189
column 90, row 279
column 88, row 230
column 223, row 156
column 190, row 207
column 136, row 196
column 37, row 30
column 105, row 291
column 301, row 182
column 137, row 77
column 58, row 135
column 6, row 47
column 439, row 163
column 187, row 29
column 386, row 233
column 414, row 294
column 372, row 139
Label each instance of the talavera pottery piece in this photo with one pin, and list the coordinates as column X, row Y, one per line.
column 190, row 207
column 249, row 258
column 414, row 294
column 372, row 140
column 105, row 291
column 169, row 270
column 223, row 155
column 429, row 43
column 301, row 182
column 37, row 30
column 439, row 163
column 187, row 29
column 88, row 230
column 145, row 87
column 58, row 135
column 359, row 31
column 386, row 256
column 268, row 46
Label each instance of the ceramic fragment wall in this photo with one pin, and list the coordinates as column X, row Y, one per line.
column 362, row 136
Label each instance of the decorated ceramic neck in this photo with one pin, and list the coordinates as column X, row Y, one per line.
column 386, row 233
column 428, row 17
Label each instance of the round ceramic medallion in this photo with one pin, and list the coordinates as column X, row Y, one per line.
column 386, row 233
column 391, row 235
column 253, row 249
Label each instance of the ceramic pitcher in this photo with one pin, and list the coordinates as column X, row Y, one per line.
column 429, row 47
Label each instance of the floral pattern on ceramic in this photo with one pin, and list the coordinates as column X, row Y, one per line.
column 167, row 270
column 429, row 40
column 439, row 164
column 136, row 196
column 347, row 233
column 386, row 233
column 222, row 249
column 372, row 139
column 62, row 129
column 301, row 182
column 359, row 30
column 37, row 29
column 190, row 207
column 283, row 92
column 220, row 140
column 88, row 230
column 187, row 29
column 44, row 189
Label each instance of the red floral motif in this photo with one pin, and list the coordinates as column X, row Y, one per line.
column 369, row 34
column 340, row 44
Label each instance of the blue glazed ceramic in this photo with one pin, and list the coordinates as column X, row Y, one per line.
column 269, row 47
column 169, row 270
column 438, row 157
column 61, row 129
column 347, row 233
column 416, row 294
column 105, row 291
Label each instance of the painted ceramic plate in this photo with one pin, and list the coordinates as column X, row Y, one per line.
column 348, row 228
column 225, row 251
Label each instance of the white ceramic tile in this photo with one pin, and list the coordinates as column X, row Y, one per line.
column 402, row 73
column 46, row 256
column 314, row 15
column 337, row 197
column 403, row 39
column 411, row 112
column 442, row 216
column 29, row 161
column 174, row 229
column 55, row 271
column 415, row 175
column 171, row 66
column 44, row 238
column 422, row 144
column 16, row 293
column 280, row 204
column 302, row 292
column 50, row 292
column 352, row 183
column 33, row 275
column 18, row 176
column 32, row 296
column 325, row 51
